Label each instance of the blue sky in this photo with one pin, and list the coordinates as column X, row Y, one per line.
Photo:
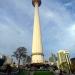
column 57, row 25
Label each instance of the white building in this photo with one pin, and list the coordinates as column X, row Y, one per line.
column 9, row 60
column 63, row 57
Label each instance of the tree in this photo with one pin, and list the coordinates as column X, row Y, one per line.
column 53, row 58
column 73, row 65
column 20, row 53
column 27, row 59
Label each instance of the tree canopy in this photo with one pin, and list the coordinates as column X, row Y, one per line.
column 20, row 53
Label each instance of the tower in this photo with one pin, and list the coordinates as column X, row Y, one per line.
column 37, row 50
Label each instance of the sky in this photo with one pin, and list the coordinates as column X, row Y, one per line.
column 57, row 20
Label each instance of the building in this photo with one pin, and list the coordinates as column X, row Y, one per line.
column 63, row 56
column 8, row 60
column 37, row 50
column 64, row 59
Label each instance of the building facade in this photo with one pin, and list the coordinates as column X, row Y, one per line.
column 63, row 59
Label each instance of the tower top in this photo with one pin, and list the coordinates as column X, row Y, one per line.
column 36, row 1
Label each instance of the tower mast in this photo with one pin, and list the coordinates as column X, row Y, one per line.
column 37, row 50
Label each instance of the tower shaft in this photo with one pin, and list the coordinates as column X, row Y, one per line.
column 37, row 50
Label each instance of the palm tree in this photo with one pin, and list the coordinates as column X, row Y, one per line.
column 20, row 53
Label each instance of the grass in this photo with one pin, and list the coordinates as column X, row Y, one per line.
column 43, row 73
column 23, row 72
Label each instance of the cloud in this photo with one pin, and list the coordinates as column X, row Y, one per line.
column 57, row 21
column 13, row 36
column 16, row 26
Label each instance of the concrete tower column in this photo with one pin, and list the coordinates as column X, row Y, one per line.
column 37, row 50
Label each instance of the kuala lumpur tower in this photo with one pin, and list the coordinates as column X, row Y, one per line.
column 37, row 50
